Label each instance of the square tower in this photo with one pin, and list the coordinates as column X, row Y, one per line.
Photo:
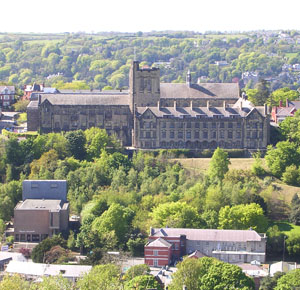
column 144, row 86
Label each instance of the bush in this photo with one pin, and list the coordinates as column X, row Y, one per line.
column 38, row 253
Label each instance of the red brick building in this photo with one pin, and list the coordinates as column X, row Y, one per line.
column 7, row 96
column 281, row 112
column 158, row 253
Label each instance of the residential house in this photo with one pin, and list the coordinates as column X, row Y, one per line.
column 7, row 96
column 279, row 113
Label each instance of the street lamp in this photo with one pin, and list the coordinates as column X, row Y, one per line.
column 284, row 237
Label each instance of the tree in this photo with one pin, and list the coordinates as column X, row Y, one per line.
column 143, row 282
column 283, row 94
column 289, row 128
column 55, row 283
column 209, row 273
column 275, row 241
column 21, row 105
column 262, row 93
column 104, row 277
column 295, row 210
column 269, row 283
column 76, row 144
column 285, row 154
column 218, row 165
column 38, row 253
column 256, row 167
column 136, row 270
column 242, row 217
column 14, row 282
column 176, row 214
column 291, row 175
column 293, row 244
column 289, row 281
column 114, row 221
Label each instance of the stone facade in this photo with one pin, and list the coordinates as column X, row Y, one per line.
column 155, row 115
column 232, row 246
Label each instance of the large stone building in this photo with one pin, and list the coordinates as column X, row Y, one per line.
column 167, row 245
column 158, row 115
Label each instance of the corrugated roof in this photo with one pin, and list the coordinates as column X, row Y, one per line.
column 209, row 234
column 86, row 100
column 204, row 90
column 38, row 269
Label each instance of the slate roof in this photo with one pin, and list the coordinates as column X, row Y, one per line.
column 159, row 243
column 40, row 204
column 209, row 234
column 195, row 112
column 87, row 99
column 203, row 90
column 11, row 88
column 47, row 189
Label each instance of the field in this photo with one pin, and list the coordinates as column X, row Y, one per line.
column 287, row 228
column 281, row 195
column 200, row 165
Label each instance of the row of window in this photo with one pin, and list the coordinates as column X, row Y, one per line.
column 181, row 125
column 205, row 134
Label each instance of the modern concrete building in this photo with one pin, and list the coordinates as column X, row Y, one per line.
column 232, row 246
column 43, row 212
column 152, row 115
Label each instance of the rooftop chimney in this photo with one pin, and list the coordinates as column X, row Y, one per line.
column 188, row 79
column 266, row 109
column 158, row 104
column 280, row 103
column 287, row 103
column 175, row 105
column 207, row 105
column 39, row 99
column 224, row 105
column 191, row 104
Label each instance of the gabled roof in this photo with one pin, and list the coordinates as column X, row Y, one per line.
column 86, row 100
column 159, row 243
column 209, row 234
column 203, row 90
column 197, row 254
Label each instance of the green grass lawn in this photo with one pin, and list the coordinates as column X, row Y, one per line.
column 287, row 228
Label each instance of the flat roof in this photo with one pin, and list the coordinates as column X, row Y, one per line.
column 41, row 204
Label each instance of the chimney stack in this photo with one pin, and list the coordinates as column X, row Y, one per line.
column 266, row 109
column 280, row 103
column 207, row 105
column 158, row 104
column 188, row 79
column 287, row 103
column 175, row 105
column 39, row 99
column 191, row 104
column 224, row 105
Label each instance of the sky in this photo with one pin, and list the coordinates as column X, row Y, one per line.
column 54, row 16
